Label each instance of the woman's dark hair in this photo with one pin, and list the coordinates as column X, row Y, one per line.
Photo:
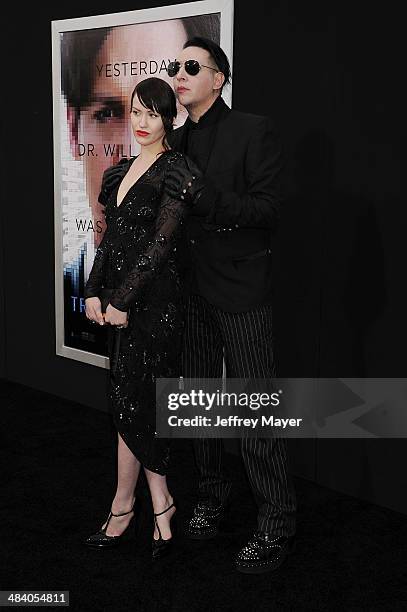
column 158, row 96
column 217, row 54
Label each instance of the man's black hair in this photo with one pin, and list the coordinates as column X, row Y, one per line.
column 217, row 54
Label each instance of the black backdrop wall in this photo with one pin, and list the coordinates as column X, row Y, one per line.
column 330, row 75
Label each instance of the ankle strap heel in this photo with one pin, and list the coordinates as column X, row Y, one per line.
column 159, row 514
column 102, row 540
column 110, row 516
column 161, row 547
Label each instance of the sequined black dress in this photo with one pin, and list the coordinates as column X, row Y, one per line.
column 139, row 258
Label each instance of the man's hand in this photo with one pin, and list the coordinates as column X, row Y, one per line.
column 93, row 310
column 185, row 183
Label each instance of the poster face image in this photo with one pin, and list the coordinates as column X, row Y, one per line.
column 98, row 68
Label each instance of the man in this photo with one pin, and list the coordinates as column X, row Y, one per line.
column 235, row 208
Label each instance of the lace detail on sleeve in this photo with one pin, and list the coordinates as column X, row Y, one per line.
column 96, row 277
column 159, row 247
column 112, row 176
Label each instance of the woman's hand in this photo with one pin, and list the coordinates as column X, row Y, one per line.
column 116, row 317
column 93, row 310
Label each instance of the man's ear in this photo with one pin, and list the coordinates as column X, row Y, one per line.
column 218, row 80
column 73, row 126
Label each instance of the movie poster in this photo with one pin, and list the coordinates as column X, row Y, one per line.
column 97, row 62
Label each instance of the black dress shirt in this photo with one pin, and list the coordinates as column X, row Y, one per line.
column 200, row 135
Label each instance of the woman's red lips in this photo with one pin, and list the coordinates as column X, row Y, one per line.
column 141, row 133
column 181, row 89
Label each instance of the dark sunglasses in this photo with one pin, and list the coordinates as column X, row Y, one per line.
column 192, row 67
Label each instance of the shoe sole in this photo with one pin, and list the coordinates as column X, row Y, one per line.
column 122, row 539
column 266, row 566
column 260, row 569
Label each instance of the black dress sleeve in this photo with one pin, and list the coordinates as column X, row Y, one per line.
column 159, row 247
column 111, row 178
column 95, row 281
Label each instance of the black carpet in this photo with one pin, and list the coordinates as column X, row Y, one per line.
column 57, row 486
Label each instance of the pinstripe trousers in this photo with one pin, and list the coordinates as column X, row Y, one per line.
column 244, row 341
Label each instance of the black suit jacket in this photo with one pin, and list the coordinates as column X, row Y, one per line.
column 230, row 230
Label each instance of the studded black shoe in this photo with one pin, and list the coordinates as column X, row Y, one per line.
column 102, row 540
column 263, row 553
column 162, row 547
column 205, row 520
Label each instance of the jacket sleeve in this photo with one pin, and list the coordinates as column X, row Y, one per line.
column 259, row 205
column 159, row 247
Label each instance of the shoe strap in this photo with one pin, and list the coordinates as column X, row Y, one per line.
column 107, row 522
column 122, row 513
column 159, row 514
column 164, row 511
column 111, row 514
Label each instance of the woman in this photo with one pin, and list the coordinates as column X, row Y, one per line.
column 139, row 267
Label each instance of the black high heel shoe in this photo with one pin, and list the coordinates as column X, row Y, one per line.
column 102, row 540
column 162, row 547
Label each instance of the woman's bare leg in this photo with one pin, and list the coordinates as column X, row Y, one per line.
column 161, row 499
column 128, row 469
